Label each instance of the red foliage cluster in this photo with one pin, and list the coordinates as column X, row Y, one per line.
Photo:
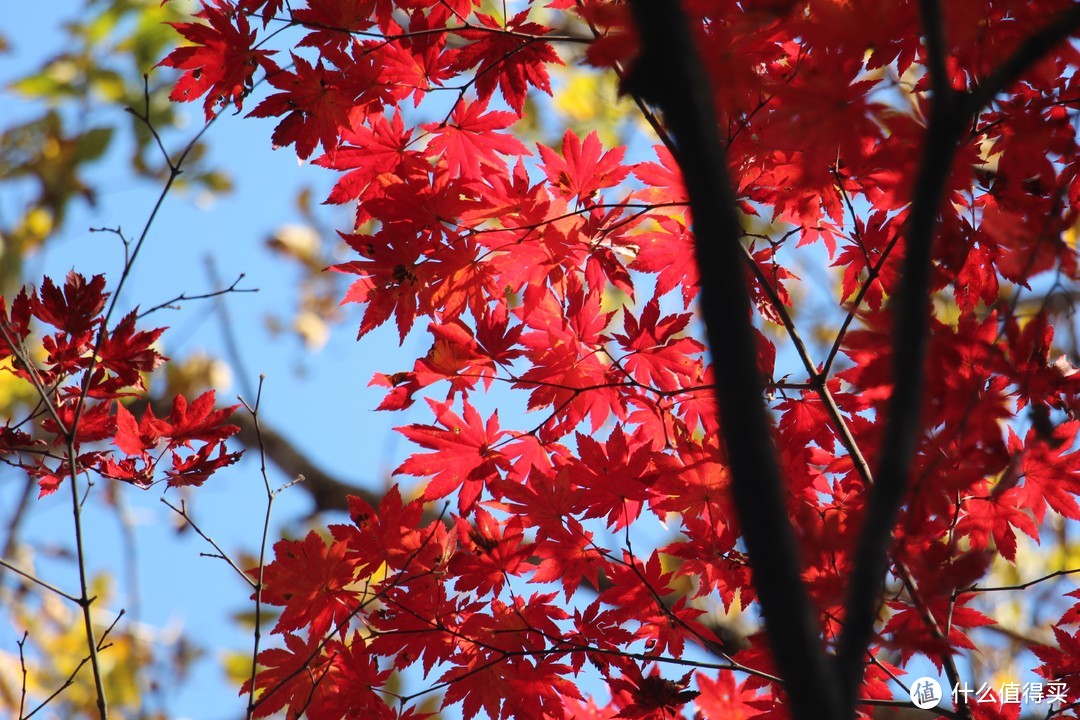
column 533, row 270
column 82, row 372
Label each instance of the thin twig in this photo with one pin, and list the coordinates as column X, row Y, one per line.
column 38, row 581
column 182, row 297
column 253, row 410
column 221, row 554
column 1019, row 586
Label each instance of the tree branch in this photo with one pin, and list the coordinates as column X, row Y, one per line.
column 668, row 74
column 1031, row 51
column 950, row 116
column 910, row 341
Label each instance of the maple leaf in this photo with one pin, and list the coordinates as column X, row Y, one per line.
column 469, row 136
column 614, row 478
column 12, row 439
column 909, row 630
column 1051, row 474
column 135, row 438
column 709, row 556
column 318, row 101
column 370, row 150
column 582, row 171
column 288, row 677
column 665, row 178
column 73, row 309
column 569, row 556
column 635, row 588
column 724, row 699
column 421, row 61
column 414, row 624
column 128, row 353
column 392, row 535
column 392, row 275
column 198, row 467
column 333, row 22
column 655, row 356
column 267, row 9
column 990, row 517
column 199, row 420
column 48, row 483
column 94, row 422
column 1061, row 664
column 127, row 470
column 548, row 500
column 1072, row 615
column 562, row 351
column 454, row 356
column 489, row 552
column 480, row 683
column 309, row 578
column 651, row 696
column 669, row 252
column 222, row 61
column 509, row 60
column 463, row 457
column 17, row 324
column 348, row 689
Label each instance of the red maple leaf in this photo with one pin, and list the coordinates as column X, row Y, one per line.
column 463, row 457
column 196, row 468
column 332, row 23
column 391, row 277
column 615, row 477
column 73, row 309
column 199, row 420
column 669, row 252
column 656, row 355
column 222, row 61
column 470, row 136
column 910, row 634
column 394, row 535
column 309, row 578
column 348, row 689
column 318, row 102
column 129, row 353
column 289, row 676
column 650, row 697
column 507, row 58
column 724, row 699
column 378, row 147
column 583, row 169
column 986, row 517
column 489, row 553
column 1061, row 664
column 1051, row 474
column 135, row 438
